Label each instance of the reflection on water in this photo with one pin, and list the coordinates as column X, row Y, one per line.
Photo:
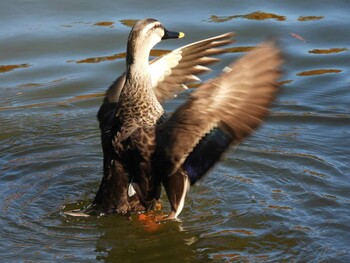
column 128, row 22
column 57, row 103
column 154, row 53
column 318, row 72
column 252, row 16
column 5, row 68
column 105, row 23
column 135, row 244
column 309, row 18
column 282, row 196
column 328, row 51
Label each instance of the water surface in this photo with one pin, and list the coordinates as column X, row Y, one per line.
column 283, row 195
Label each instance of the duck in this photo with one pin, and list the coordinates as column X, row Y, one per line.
column 145, row 148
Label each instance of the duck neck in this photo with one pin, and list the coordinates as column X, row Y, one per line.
column 137, row 63
column 137, row 74
column 138, row 87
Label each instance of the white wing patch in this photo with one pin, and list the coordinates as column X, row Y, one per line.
column 182, row 200
column 131, row 190
column 161, row 68
column 172, row 72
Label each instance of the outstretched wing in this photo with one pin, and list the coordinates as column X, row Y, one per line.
column 171, row 72
column 219, row 113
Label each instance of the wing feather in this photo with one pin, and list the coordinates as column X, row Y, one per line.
column 171, row 72
column 234, row 104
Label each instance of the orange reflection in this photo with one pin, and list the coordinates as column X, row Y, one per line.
column 263, row 16
column 243, row 179
column 6, row 68
column 302, row 228
column 33, row 85
column 159, row 52
column 150, row 220
column 314, row 173
column 239, row 49
column 154, row 53
column 280, row 207
column 309, row 18
column 328, row 51
column 318, row 72
column 128, row 22
column 252, row 16
column 104, row 23
column 59, row 103
column 193, row 85
column 100, row 59
column 284, row 82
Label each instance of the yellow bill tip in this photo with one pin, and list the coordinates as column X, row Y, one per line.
column 181, row 34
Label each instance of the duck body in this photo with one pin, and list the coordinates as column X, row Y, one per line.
column 144, row 148
column 128, row 118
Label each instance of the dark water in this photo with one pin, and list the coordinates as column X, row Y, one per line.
column 283, row 195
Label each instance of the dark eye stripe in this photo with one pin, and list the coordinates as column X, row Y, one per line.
column 157, row 26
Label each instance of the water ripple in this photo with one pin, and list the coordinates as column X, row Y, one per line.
column 282, row 195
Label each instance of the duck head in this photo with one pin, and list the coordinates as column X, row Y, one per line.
column 144, row 36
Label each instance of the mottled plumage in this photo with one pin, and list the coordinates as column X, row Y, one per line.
column 144, row 149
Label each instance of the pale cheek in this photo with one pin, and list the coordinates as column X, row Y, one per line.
column 154, row 40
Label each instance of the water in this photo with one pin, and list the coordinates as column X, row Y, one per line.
column 283, row 195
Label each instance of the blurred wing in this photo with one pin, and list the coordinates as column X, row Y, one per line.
column 219, row 113
column 171, row 72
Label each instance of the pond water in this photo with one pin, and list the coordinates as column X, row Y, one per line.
column 282, row 195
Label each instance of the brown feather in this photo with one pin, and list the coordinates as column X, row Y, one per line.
column 239, row 98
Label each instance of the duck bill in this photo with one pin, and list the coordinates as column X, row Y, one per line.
column 172, row 34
